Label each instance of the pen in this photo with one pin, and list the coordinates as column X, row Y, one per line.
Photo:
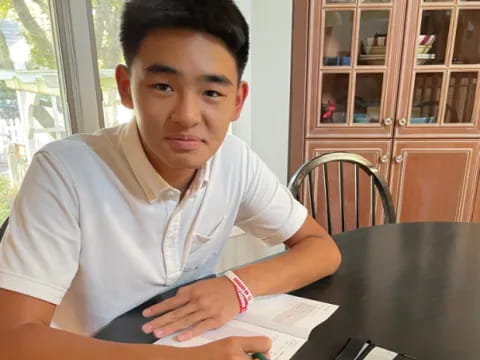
column 259, row 356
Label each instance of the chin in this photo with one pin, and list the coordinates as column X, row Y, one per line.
column 187, row 162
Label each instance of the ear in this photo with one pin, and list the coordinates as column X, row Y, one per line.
column 242, row 94
column 122, row 76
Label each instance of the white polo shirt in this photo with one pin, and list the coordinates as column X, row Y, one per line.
column 95, row 230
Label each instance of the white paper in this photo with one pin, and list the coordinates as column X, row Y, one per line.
column 286, row 319
column 288, row 314
column 379, row 353
column 284, row 346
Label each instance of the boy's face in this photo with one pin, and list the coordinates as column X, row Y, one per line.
column 184, row 91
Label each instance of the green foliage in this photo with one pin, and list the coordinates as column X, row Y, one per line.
column 106, row 17
column 5, row 6
column 7, row 195
column 39, row 58
column 107, row 14
column 37, row 34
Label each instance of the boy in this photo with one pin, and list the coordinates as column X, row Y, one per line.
column 104, row 222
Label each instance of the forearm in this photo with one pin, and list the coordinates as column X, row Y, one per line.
column 311, row 259
column 39, row 342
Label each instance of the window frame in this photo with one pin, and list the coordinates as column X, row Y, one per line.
column 72, row 24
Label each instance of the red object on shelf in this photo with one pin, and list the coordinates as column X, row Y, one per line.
column 329, row 113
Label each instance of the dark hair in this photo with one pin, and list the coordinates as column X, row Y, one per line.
column 220, row 18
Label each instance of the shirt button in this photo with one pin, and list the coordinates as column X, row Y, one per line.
column 171, row 194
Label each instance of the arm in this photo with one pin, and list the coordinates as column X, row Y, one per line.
column 25, row 334
column 312, row 254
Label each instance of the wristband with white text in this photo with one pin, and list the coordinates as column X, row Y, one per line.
column 244, row 295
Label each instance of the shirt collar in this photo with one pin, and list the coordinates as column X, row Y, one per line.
column 202, row 177
column 151, row 182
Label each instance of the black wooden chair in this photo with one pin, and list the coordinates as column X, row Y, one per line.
column 376, row 184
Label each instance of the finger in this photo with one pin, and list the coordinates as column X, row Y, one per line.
column 182, row 324
column 168, row 318
column 166, row 305
column 261, row 356
column 260, row 344
column 200, row 328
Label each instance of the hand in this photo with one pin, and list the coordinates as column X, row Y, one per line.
column 202, row 306
column 232, row 348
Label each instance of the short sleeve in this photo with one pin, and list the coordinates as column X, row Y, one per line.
column 267, row 210
column 39, row 252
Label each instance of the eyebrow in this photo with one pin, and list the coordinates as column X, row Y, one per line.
column 209, row 78
column 217, row 79
column 161, row 69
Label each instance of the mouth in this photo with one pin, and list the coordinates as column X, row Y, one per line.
column 184, row 142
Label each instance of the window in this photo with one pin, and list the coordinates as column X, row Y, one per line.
column 32, row 111
column 106, row 20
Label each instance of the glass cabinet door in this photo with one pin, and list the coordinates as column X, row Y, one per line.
column 440, row 79
column 337, row 45
column 355, row 68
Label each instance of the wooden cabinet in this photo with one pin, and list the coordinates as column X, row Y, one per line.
column 476, row 206
column 376, row 151
column 351, row 88
column 476, row 211
column 440, row 91
column 434, row 180
column 397, row 81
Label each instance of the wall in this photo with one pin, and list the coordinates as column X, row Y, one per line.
column 265, row 120
column 269, row 77
column 242, row 127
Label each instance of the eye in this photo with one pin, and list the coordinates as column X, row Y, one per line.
column 212, row 93
column 163, row 87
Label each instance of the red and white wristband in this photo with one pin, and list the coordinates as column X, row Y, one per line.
column 244, row 295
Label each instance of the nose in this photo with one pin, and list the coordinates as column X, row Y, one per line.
column 187, row 110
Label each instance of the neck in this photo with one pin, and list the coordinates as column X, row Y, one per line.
column 179, row 178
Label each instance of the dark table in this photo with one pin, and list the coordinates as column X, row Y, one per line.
column 411, row 288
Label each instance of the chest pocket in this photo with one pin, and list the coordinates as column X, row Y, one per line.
column 206, row 233
column 206, row 244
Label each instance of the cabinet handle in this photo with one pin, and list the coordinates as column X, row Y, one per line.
column 388, row 121
column 398, row 159
column 384, row 158
column 402, row 122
